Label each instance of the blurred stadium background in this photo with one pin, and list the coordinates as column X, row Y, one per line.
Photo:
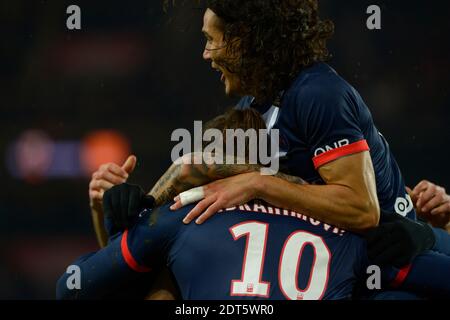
column 71, row 100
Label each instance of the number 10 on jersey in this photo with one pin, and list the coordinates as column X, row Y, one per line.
column 251, row 284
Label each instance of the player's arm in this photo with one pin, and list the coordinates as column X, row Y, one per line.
column 101, row 274
column 185, row 175
column 97, row 222
column 192, row 171
column 126, row 259
column 432, row 204
column 427, row 275
column 107, row 176
column 347, row 200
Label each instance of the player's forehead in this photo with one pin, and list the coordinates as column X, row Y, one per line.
column 211, row 23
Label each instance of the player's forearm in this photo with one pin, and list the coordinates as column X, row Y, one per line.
column 334, row 204
column 182, row 177
column 174, row 181
column 99, row 227
column 164, row 189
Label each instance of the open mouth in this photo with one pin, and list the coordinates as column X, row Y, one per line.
column 222, row 76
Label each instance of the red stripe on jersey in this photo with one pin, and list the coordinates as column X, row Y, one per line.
column 401, row 276
column 128, row 257
column 340, row 152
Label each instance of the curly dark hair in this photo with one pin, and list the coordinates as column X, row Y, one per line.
column 278, row 39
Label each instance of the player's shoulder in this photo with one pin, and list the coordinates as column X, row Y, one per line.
column 319, row 84
column 320, row 92
column 163, row 216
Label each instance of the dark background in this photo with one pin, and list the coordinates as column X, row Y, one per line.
column 138, row 72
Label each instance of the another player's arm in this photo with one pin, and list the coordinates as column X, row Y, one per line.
column 97, row 216
column 432, row 203
column 107, row 176
column 125, row 259
column 182, row 177
column 102, row 274
column 346, row 200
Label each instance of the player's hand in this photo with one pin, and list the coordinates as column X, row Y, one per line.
column 107, row 176
column 432, row 203
column 220, row 194
column 398, row 240
column 431, row 198
column 123, row 203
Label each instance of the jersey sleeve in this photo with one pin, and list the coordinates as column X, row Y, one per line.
column 424, row 275
column 149, row 240
column 129, row 256
column 330, row 121
column 96, row 275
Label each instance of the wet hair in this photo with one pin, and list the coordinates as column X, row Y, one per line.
column 276, row 40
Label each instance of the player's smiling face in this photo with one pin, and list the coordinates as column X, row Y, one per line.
column 216, row 51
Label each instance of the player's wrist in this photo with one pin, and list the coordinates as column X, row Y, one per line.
column 96, row 207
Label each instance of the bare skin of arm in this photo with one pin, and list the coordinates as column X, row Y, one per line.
column 347, row 200
column 185, row 176
column 107, row 176
column 99, row 227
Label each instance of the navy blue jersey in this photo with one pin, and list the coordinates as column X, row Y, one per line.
column 254, row 251
column 322, row 118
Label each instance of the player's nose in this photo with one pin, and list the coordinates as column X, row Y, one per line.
column 206, row 54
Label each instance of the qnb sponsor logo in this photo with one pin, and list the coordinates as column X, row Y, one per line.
column 336, row 145
column 253, row 147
